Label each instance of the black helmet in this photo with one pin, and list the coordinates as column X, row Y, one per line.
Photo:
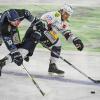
column 12, row 15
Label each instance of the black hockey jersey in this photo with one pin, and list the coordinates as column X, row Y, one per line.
column 6, row 27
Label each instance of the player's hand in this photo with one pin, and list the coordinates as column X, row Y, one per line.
column 78, row 43
column 16, row 57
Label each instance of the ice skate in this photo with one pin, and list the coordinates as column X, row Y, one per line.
column 53, row 70
column 2, row 63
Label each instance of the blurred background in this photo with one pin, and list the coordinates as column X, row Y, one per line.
column 85, row 21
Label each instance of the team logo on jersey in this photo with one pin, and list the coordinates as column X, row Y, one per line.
column 57, row 14
column 49, row 17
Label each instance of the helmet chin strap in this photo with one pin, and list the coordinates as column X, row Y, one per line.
column 62, row 19
column 61, row 12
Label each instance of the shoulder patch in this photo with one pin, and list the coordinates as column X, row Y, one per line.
column 57, row 14
column 49, row 17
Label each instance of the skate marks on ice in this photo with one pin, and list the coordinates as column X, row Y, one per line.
column 15, row 85
column 52, row 78
column 55, row 88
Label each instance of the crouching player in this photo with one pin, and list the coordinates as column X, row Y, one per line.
column 46, row 33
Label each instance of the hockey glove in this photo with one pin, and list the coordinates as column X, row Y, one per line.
column 26, row 58
column 78, row 43
column 16, row 57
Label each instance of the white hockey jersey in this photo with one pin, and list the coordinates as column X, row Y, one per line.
column 58, row 26
column 54, row 19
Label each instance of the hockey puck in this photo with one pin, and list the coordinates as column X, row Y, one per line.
column 93, row 92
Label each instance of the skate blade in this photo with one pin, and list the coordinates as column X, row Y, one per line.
column 55, row 74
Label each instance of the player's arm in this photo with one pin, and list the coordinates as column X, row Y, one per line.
column 28, row 15
column 76, row 41
column 14, row 53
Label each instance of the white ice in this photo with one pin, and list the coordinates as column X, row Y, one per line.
column 16, row 85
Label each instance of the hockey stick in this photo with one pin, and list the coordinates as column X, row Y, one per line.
column 33, row 80
column 95, row 81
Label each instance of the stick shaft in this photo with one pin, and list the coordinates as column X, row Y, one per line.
column 33, row 80
column 71, row 64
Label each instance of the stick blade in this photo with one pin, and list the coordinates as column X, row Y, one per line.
column 97, row 81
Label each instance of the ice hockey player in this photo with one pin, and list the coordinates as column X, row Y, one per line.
column 46, row 34
column 9, row 23
column 34, row 35
column 58, row 23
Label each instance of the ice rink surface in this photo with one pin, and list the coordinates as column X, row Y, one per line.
column 15, row 84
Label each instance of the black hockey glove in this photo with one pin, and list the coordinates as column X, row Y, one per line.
column 16, row 57
column 26, row 58
column 78, row 43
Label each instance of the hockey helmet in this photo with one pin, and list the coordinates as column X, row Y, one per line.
column 12, row 15
column 67, row 8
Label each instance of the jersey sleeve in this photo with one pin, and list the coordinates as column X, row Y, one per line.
column 25, row 14
column 48, row 18
column 9, row 43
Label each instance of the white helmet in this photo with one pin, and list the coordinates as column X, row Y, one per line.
column 67, row 8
